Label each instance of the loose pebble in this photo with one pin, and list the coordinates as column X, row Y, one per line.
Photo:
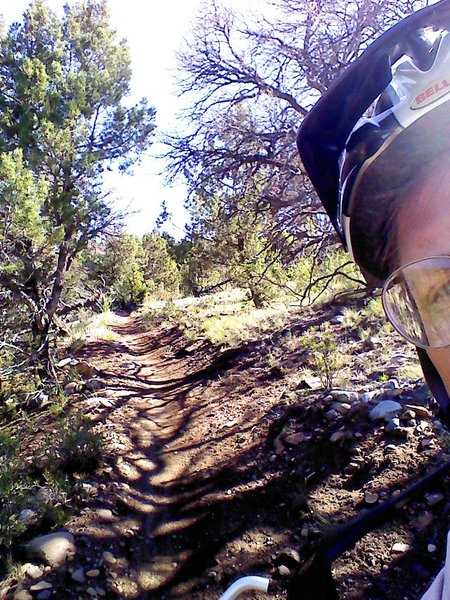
column 434, row 498
column 93, row 573
column 371, row 497
column 42, row 585
column 384, row 409
column 78, row 575
column 400, row 547
column 295, row 439
column 34, row 572
column 109, row 557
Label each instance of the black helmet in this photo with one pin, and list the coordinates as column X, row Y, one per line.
column 352, row 160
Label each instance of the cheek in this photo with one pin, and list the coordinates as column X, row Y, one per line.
column 441, row 360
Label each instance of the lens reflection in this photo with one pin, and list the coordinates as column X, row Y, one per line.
column 416, row 299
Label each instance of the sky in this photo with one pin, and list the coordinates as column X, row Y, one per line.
column 154, row 31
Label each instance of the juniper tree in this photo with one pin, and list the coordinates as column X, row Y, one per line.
column 64, row 120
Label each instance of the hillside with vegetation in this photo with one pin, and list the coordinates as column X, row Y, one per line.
column 175, row 413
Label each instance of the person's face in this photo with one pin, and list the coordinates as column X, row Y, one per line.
column 423, row 231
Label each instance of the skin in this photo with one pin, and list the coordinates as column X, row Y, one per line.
column 423, row 230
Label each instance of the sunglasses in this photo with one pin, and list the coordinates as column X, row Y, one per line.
column 416, row 300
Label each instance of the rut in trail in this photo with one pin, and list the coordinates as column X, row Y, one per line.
column 167, row 432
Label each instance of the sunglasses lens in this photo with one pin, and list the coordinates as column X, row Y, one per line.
column 416, row 299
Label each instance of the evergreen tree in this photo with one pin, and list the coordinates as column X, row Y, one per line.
column 63, row 122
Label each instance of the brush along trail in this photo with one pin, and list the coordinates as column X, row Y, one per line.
column 222, row 462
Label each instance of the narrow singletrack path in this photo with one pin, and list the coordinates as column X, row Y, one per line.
column 167, row 432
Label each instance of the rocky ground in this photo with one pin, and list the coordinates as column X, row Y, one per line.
column 226, row 461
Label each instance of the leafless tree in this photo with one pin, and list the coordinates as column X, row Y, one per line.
column 249, row 81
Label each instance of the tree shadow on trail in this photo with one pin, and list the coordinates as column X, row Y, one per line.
column 211, row 498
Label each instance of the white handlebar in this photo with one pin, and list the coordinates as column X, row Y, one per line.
column 245, row 584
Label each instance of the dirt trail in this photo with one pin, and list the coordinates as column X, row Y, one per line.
column 168, row 434
column 220, row 459
column 146, row 388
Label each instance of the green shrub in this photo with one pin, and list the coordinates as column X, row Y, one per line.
column 15, row 487
column 324, row 354
column 79, row 446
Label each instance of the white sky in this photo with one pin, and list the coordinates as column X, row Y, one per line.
column 154, row 30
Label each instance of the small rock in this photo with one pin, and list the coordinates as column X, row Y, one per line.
column 392, row 384
column 384, row 409
column 338, row 436
column 423, row 426
column 407, row 415
column 354, row 466
column 42, row 585
column 366, row 397
column 34, row 572
column 78, row 575
column 393, row 392
column 371, row 342
column 431, row 548
column 422, row 411
column 344, row 396
column 109, row 558
column 71, row 388
column 86, row 488
column 85, row 369
column 44, row 595
column 400, row 547
column 309, row 383
column 92, row 592
column 106, row 403
column 338, row 319
column 52, row 548
column 304, row 532
column 424, row 519
column 434, row 498
column 101, row 592
column 105, row 514
column 392, row 424
column 331, row 415
column 295, row 439
column 371, row 497
column 289, row 556
column 94, row 385
column 64, row 362
column 390, row 448
column 284, row 571
column 426, row 444
column 28, row 516
column 93, row 573
column 341, row 407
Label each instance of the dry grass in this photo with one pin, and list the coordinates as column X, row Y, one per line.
column 224, row 318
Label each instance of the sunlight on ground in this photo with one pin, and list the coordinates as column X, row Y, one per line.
column 223, row 318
